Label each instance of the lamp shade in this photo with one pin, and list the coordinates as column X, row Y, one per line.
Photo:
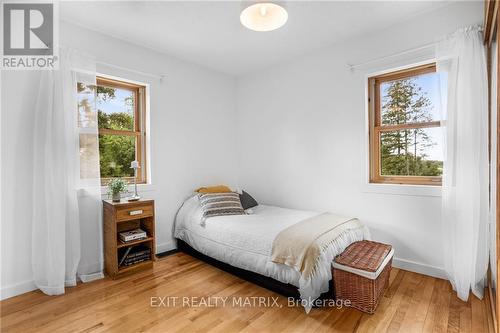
column 264, row 16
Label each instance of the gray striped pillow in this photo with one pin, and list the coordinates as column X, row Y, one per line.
column 220, row 204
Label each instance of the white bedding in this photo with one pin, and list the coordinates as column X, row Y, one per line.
column 245, row 241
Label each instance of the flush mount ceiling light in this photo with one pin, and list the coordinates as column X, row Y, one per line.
column 263, row 16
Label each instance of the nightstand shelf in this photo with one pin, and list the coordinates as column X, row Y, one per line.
column 125, row 216
column 121, row 244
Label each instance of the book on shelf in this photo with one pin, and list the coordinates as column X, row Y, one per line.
column 138, row 254
column 136, row 260
column 131, row 235
column 134, row 255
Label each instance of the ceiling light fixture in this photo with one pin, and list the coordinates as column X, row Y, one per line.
column 263, row 16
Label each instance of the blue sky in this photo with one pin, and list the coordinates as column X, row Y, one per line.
column 430, row 83
column 116, row 104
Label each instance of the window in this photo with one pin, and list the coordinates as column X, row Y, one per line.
column 405, row 133
column 121, row 126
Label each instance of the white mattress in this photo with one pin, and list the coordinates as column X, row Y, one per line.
column 245, row 241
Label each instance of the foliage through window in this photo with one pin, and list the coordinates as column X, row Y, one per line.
column 120, row 120
column 405, row 134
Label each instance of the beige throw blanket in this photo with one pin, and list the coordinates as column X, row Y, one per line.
column 300, row 245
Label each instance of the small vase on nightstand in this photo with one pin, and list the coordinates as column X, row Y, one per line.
column 117, row 197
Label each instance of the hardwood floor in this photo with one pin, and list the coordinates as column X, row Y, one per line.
column 412, row 303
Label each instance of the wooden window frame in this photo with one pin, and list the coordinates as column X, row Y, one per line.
column 491, row 33
column 376, row 128
column 139, row 131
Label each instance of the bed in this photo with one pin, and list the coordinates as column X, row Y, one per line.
column 246, row 242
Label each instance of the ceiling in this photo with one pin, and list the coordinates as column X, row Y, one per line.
column 209, row 33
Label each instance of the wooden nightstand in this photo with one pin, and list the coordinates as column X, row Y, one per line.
column 123, row 216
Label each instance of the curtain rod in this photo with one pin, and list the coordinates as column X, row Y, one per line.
column 422, row 47
column 156, row 76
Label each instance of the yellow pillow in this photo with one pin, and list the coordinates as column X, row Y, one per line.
column 214, row 189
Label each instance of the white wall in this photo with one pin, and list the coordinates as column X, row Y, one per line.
column 192, row 140
column 302, row 137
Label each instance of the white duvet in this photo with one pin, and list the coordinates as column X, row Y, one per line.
column 245, row 241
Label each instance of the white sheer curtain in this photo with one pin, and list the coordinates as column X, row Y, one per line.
column 66, row 177
column 462, row 57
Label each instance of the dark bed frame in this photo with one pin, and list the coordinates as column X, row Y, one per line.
column 284, row 289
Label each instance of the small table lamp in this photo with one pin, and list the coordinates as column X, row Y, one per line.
column 134, row 165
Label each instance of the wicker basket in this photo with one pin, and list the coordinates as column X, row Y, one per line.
column 363, row 293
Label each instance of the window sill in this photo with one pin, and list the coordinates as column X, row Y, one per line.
column 397, row 189
column 141, row 188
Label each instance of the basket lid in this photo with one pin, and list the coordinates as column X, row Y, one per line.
column 364, row 255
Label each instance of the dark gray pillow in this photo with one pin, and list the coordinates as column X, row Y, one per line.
column 247, row 201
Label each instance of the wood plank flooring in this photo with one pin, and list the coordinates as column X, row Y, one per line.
column 412, row 303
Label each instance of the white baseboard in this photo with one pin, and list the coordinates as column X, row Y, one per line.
column 17, row 289
column 417, row 267
column 164, row 247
